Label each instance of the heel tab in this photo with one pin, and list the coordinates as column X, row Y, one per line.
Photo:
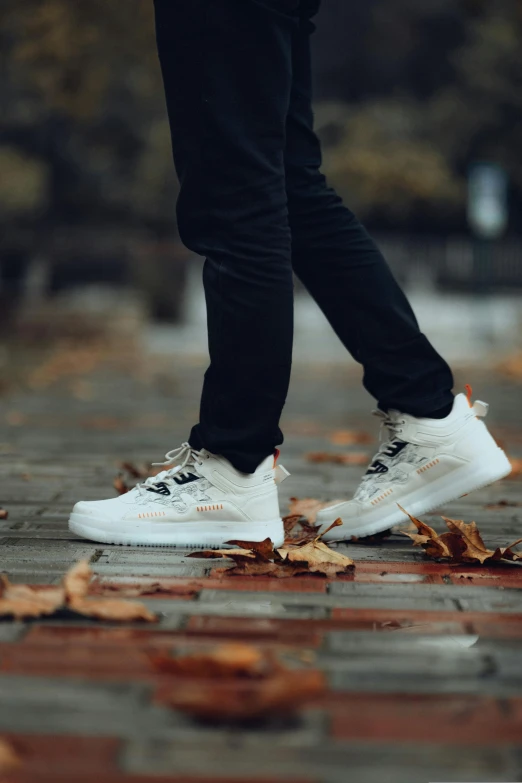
column 480, row 409
column 280, row 474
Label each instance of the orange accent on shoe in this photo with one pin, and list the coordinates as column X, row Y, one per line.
column 469, row 394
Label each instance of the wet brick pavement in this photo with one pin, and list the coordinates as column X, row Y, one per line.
column 423, row 660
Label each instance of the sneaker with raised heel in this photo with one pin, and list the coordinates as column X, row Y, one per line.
column 201, row 501
column 423, row 464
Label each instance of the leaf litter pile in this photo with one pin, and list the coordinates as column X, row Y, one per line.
column 25, row 601
column 461, row 544
column 237, row 682
column 299, row 555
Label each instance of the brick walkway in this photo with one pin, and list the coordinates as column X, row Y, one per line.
column 423, row 660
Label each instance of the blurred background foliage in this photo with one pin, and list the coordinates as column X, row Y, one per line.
column 408, row 94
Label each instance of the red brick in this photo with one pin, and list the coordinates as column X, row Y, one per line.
column 60, row 634
column 294, row 584
column 75, row 660
column 452, row 719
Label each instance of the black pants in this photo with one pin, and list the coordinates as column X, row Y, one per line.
column 254, row 203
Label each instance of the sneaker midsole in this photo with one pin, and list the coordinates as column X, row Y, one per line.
column 188, row 534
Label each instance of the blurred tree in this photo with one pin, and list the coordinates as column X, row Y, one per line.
column 81, row 91
column 427, row 89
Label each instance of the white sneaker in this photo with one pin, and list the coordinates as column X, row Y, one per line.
column 423, row 464
column 202, row 502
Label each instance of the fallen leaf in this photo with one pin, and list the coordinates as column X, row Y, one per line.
column 293, row 558
column 290, row 522
column 3, row 513
column 309, row 507
column 475, row 548
column 516, row 468
column 508, row 554
column 9, row 759
column 225, row 661
column 76, row 581
column 237, row 683
column 462, row 544
column 120, row 486
column 317, row 558
column 20, row 601
column 338, row 459
column 350, row 437
column 24, row 601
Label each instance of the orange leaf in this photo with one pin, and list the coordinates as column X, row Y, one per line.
column 236, row 682
column 224, row 661
column 120, row 486
column 308, row 507
column 76, row 581
column 350, row 437
column 3, row 513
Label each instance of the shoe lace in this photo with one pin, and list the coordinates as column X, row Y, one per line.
column 183, row 458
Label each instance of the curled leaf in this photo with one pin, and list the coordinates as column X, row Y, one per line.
column 76, row 581
column 236, row 682
column 462, row 544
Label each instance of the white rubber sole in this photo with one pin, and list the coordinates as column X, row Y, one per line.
column 443, row 490
column 188, row 535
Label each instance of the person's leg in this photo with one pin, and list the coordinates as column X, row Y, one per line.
column 347, row 275
column 437, row 448
column 227, row 71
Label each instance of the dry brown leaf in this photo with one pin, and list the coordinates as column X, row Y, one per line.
column 3, row 513
column 9, row 759
column 120, row 486
column 278, row 695
column 24, row 601
column 21, row 601
column 507, row 552
column 350, row 437
column 290, row 522
column 462, row 544
column 516, row 468
column 225, row 661
column 316, row 557
column 238, row 683
column 475, row 548
column 338, row 459
column 309, row 507
column 293, row 558
column 76, row 581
